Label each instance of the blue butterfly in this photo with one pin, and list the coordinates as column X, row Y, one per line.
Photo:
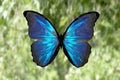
column 74, row 40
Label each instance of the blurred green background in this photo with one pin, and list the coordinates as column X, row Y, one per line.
column 15, row 55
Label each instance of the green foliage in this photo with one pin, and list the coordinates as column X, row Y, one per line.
column 15, row 55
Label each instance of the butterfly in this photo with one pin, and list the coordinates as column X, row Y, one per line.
column 48, row 41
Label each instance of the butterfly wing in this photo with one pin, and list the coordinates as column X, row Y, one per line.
column 46, row 47
column 76, row 35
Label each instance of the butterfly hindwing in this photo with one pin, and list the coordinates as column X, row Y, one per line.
column 76, row 35
column 46, row 47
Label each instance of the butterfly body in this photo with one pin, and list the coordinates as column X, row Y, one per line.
column 74, row 40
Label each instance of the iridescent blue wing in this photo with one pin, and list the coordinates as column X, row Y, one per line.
column 76, row 35
column 46, row 47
